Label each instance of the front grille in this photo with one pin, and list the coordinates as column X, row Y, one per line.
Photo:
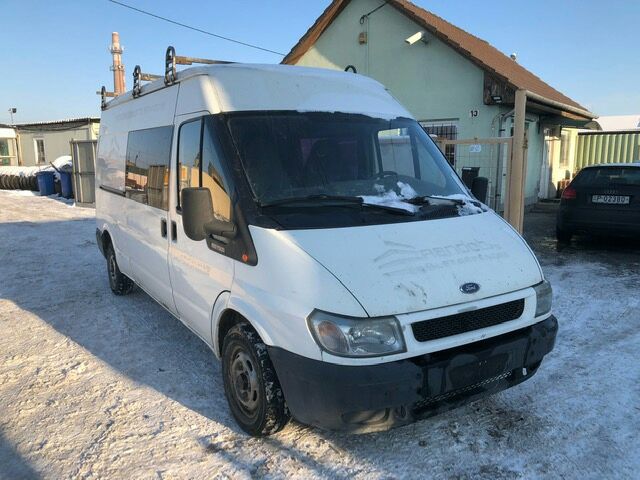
column 484, row 385
column 467, row 321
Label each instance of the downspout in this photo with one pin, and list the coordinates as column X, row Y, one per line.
column 560, row 105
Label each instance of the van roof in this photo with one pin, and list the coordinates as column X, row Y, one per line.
column 285, row 87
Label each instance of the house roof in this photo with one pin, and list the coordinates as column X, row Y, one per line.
column 619, row 122
column 59, row 122
column 475, row 49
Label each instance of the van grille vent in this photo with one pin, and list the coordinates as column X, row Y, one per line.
column 467, row 321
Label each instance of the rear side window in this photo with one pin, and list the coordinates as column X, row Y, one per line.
column 200, row 164
column 608, row 176
column 147, row 166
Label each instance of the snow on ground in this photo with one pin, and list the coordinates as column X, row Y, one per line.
column 98, row 386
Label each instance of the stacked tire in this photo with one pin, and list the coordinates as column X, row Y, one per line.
column 18, row 178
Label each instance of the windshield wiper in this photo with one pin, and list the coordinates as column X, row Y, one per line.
column 322, row 199
column 431, row 200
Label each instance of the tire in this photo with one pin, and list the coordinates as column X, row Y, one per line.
column 563, row 236
column 247, row 371
column 120, row 284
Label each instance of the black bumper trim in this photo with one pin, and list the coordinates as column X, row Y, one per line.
column 362, row 399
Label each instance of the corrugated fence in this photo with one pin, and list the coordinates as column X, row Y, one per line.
column 607, row 147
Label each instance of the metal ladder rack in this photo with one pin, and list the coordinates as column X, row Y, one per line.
column 138, row 78
column 171, row 60
column 103, row 97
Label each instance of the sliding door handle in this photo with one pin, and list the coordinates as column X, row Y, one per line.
column 163, row 228
column 174, row 231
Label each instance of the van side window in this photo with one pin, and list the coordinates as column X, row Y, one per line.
column 200, row 164
column 147, row 166
column 189, row 155
column 213, row 176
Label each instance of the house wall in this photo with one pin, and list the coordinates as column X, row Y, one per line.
column 433, row 81
column 56, row 143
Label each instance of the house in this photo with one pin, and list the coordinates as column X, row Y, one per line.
column 615, row 139
column 457, row 85
column 42, row 142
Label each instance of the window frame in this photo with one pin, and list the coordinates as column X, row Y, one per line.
column 37, row 151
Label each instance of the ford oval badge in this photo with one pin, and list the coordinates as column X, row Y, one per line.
column 469, row 287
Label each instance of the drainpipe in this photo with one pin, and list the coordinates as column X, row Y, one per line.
column 559, row 105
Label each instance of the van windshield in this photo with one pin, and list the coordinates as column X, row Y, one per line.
column 337, row 157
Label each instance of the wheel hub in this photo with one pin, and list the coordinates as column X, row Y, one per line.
column 245, row 382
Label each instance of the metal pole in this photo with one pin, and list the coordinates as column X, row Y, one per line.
column 516, row 171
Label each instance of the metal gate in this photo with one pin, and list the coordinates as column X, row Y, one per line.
column 482, row 157
column 83, row 153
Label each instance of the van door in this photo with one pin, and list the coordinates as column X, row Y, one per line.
column 198, row 274
column 147, row 184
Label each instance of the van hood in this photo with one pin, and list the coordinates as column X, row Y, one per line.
column 408, row 267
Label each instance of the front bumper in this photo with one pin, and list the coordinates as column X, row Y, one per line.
column 360, row 399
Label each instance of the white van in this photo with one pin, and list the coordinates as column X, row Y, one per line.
column 307, row 229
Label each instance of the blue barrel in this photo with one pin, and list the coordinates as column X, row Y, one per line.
column 65, row 184
column 45, row 183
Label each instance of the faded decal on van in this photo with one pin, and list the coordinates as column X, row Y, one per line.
column 190, row 261
column 400, row 259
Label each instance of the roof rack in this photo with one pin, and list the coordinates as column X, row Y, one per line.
column 171, row 60
column 138, row 78
column 103, row 97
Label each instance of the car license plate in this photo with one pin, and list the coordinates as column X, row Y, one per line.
column 612, row 199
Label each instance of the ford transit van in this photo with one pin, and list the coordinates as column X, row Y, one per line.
column 309, row 231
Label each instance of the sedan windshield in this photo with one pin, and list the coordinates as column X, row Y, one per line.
column 302, row 158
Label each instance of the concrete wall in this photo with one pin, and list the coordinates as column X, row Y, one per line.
column 55, row 143
column 433, row 81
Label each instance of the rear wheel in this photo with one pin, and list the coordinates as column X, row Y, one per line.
column 251, row 384
column 563, row 236
column 120, row 284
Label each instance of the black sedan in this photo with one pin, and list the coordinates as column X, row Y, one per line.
column 601, row 200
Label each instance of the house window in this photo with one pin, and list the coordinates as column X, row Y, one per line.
column 564, row 149
column 39, row 147
column 443, row 129
column 7, row 151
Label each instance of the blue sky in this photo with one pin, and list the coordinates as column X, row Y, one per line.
column 55, row 52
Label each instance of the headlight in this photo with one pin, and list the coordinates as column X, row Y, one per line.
column 356, row 337
column 544, row 296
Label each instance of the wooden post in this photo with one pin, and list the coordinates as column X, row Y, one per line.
column 517, row 167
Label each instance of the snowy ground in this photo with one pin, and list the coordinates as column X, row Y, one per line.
column 98, row 386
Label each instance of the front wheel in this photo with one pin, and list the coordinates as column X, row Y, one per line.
column 251, row 384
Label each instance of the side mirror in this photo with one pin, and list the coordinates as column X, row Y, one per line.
column 198, row 220
column 479, row 188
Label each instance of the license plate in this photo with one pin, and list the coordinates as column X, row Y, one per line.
column 612, row 199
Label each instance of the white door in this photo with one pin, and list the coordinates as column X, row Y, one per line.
column 145, row 238
column 545, row 170
column 198, row 273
